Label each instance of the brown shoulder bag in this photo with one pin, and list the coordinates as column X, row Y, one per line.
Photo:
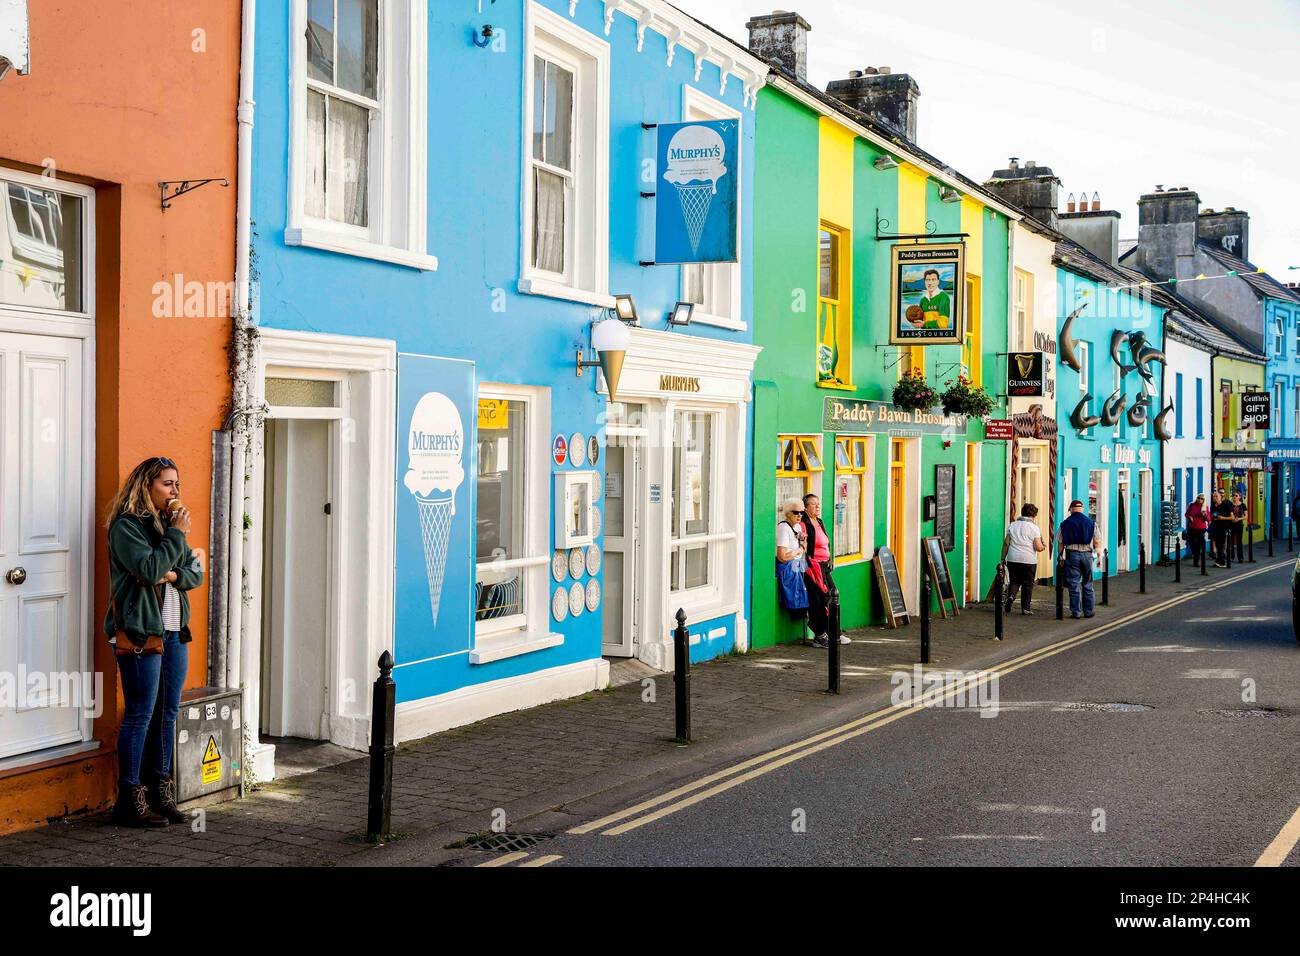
column 153, row 644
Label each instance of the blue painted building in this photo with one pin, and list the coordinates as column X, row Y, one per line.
column 1282, row 379
column 444, row 211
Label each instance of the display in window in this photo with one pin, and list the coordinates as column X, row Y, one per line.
column 575, row 524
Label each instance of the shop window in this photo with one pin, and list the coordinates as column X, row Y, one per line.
column 693, row 545
column 852, row 497
column 45, row 229
column 834, row 309
column 800, row 467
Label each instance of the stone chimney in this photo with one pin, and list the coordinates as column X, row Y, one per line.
column 781, row 37
column 887, row 97
column 1033, row 188
column 1092, row 227
column 1228, row 229
column 1166, row 246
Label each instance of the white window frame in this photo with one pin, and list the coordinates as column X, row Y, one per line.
column 1278, row 421
column 586, row 277
column 86, row 226
column 1279, row 336
column 698, row 106
column 711, row 591
column 398, row 145
column 520, row 633
column 1083, row 351
column 1024, row 309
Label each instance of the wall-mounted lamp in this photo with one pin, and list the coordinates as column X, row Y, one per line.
column 610, row 339
column 625, row 310
column 886, row 162
column 948, row 194
column 681, row 313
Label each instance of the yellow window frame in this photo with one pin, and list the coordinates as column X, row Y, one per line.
column 835, row 310
column 857, row 454
column 793, row 461
column 972, row 348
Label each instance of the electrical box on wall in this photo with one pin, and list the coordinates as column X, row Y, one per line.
column 574, row 498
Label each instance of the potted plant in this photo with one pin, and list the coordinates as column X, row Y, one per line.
column 964, row 398
column 914, row 394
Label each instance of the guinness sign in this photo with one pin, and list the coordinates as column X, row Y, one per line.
column 1025, row 374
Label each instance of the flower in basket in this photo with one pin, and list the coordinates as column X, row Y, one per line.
column 914, row 394
column 965, row 398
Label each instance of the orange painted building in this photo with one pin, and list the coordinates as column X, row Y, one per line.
column 102, row 364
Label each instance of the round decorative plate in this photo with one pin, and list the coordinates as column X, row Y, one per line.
column 560, row 604
column 595, row 521
column 577, row 561
column 578, row 449
column 597, row 485
column 593, row 559
column 577, row 599
column 559, row 566
column 593, row 449
column 593, row 594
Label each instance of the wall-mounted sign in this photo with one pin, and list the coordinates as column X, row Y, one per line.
column 679, row 383
column 1284, row 454
column 695, row 191
column 560, row 449
column 656, row 495
column 578, row 449
column 927, row 294
column 1255, row 410
column 858, row 415
column 1238, row 462
column 999, row 429
column 1025, row 374
column 1124, row 455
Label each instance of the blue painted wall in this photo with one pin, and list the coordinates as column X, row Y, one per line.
column 1283, row 369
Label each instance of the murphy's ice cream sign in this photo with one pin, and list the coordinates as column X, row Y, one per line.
column 696, row 184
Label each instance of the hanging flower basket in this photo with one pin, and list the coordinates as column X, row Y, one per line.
column 914, row 394
column 963, row 398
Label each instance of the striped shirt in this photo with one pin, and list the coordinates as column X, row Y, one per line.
column 171, row 609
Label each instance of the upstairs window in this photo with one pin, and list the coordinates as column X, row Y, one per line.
column 1024, row 311
column 834, row 309
column 1279, row 340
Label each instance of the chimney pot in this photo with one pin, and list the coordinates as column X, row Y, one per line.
column 1030, row 164
column 1069, row 203
column 1033, row 188
column 885, row 71
column 854, row 74
column 1096, row 202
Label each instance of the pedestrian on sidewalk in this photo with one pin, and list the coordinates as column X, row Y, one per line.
column 151, row 568
column 1198, row 522
column 791, row 559
column 1220, row 528
column 1238, row 525
column 1079, row 545
column 1020, row 551
column 818, row 576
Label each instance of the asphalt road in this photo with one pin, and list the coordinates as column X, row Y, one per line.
column 1141, row 746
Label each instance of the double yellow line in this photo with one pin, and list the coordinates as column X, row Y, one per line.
column 720, row 781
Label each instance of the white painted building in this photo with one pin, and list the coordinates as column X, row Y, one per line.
column 1187, row 470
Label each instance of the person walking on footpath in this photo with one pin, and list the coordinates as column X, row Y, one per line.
column 1238, row 526
column 1221, row 518
column 1079, row 545
column 1198, row 522
column 151, row 569
column 1020, row 551
column 818, row 576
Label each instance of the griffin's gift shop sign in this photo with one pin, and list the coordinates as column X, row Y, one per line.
column 856, row 415
column 1255, row 410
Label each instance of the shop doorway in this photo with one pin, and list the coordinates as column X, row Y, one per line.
column 625, row 441
column 1099, row 510
column 1144, row 510
column 296, row 574
column 1031, row 488
column 904, row 532
column 1122, row 517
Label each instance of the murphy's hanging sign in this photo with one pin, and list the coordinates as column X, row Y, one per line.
column 697, row 179
column 1025, row 374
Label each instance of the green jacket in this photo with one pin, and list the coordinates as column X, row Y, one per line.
column 138, row 557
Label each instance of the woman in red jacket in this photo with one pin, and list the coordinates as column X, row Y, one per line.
column 1198, row 521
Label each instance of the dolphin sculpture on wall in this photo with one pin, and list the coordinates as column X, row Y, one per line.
column 1117, row 339
column 1113, row 407
column 1080, row 418
column 1144, row 356
column 1137, row 415
column 1158, row 425
column 1069, row 354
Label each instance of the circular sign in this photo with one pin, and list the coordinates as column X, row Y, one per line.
column 593, row 595
column 577, row 600
column 560, row 604
column 560, row 449
column 577, row 561
column 593, row 449
column 593, row 559
column 559, row 566
column 578, row 450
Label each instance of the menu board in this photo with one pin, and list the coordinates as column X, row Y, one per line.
column 891, row 588
column 939, row 574
column 945, row 485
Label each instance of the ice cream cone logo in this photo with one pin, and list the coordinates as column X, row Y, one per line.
column 435, row 454
column 695, row 163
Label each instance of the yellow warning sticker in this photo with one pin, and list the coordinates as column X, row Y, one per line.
column 211, row 762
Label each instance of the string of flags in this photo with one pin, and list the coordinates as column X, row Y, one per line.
column 1199, row 278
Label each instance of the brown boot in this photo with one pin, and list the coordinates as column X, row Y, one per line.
column 162, row 800
column 132, row 809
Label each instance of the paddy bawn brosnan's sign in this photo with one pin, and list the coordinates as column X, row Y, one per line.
column 857, row 415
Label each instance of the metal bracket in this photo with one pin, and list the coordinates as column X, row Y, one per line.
column 645, row 262
column 930, row 233
column 646, row 195
column 183, row 186
column 649, row 125
column 939, row 369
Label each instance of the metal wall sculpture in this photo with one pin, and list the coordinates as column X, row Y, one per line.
column 1069, row 354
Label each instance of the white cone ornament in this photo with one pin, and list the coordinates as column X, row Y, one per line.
column 696, row 161
column 611, row 339
column 435, row 455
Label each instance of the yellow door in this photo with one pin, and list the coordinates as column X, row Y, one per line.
column 897, row 482
column 970, row 523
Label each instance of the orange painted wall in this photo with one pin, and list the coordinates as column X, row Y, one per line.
column 123, row 94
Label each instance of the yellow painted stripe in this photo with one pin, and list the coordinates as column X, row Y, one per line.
column 1276, row 852
column 972, row 221
column 887, row 716
column 911, row 199
column 506, row 860
column 543, row 860
column 835, row 173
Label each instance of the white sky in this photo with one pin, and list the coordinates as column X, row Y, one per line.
column 1114, row 95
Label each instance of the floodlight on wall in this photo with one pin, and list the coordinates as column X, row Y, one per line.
column 949, row 195
column 625, row 310
column 886, row 162
column 610, row 339
column 681, row 313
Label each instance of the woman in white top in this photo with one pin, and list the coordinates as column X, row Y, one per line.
column 791, row 542
column 1020, row 552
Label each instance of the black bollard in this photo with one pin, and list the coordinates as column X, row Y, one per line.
column 682, row 677
column 379, row 813
column 1272, row 527
column 833, row 633
column 1227, row 549
column 925, row 616
column 1060, row 589
column 1105, row 576
column 997, row 603
column 1205, row 552
column 1178, row 563
column 1142, row 568
column 1250, row 543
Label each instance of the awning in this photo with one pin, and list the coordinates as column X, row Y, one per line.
column 13, row 37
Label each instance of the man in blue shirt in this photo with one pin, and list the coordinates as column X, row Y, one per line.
column 1079, row 544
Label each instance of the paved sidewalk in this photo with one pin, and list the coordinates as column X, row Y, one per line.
column 533, row 761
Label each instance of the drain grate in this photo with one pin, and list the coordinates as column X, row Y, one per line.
column 1118, row 707
column 1242, row 713
column 506, row 842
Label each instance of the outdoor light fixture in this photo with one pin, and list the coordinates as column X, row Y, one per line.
column 948, row 194
column 886, row 162
column 610, row 339
column 625, row 310
column 681, row 313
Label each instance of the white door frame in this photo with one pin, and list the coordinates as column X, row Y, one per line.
column 361, row 602
column 1123, row 492
column 633, row 551
column 1145, row 489
column 73, row 325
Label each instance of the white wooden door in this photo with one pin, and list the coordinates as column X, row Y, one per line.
column 42, row 551
column 624, row 549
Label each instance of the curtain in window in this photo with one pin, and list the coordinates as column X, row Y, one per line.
column 548, row 221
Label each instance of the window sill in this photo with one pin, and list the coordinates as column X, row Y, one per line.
column 837, row 388
column 718, row 321
column 503, row 646
column 556, row 290
column 316, row 238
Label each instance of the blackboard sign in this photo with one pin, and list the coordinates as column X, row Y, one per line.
column 945, row 485
column 938, row 561
column 1169, row 520
column 891, row 588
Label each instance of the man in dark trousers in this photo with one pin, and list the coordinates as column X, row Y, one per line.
column 1079, row 544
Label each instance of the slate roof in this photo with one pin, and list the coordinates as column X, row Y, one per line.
column 1263, row 284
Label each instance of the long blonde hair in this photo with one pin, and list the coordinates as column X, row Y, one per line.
column 134, row 498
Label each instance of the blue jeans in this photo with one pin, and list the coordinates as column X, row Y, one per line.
column 1078, row 577
column 151, row 685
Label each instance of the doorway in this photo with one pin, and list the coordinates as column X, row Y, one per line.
column 972, row 522
column 296, row 572
column 1144, row 510
column 1099, row 510
column 625, row 439
column 897, row 498
column 1122, row 562
column 1031, row 486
